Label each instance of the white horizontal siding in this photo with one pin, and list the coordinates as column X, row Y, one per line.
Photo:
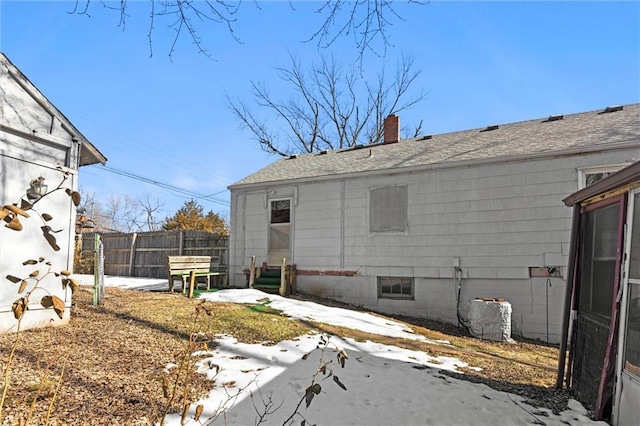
column 497, row 220
column 507, row 216
column 318, row 226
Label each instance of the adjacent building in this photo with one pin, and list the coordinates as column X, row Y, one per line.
column 40, row 153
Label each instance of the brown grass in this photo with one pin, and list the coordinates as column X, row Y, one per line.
column 116, row 353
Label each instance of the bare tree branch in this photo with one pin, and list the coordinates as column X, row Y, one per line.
column 367, row 21
column 150, row 207
column 332, row 107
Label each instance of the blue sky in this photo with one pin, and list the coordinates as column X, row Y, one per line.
column 166, row 119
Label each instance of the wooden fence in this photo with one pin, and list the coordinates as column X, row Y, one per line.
column 144, row 254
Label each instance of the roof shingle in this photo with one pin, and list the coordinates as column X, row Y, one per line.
column 588, row 130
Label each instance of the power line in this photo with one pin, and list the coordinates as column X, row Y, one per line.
column 149, row 151
column 167, row 186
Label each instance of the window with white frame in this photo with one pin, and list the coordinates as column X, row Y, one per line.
column 589, row 176
column 388, row 209
column 396, row 288
column 280, row 225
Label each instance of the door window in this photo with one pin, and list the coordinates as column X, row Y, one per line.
column 280, row 225
column 598, row 269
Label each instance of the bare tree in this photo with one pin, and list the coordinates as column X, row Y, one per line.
column 150, row 207
column 367, row 21
column 333, row 107
column 121, row 213
column 91, row 213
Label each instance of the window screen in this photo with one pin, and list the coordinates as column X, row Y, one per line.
column 632, row 339
column 388, row 209
column 597, row 273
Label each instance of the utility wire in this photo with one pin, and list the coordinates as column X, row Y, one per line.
column 172, row 188
column 149, row 151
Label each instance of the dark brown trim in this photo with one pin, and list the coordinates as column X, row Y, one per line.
column 333, row 273
column 602, row 204
column 612, row 338
column 571, row 276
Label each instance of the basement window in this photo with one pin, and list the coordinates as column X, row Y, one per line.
column 388, row 209
column 396, row 288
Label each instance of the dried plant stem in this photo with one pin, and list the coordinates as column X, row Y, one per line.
column 41, row 385
column 187, row 376
column 7, row 369
column 55, row 393
column 184, row 366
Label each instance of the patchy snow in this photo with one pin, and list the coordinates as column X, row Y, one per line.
column 385, row 385
column 311, row 311
column 130, row 283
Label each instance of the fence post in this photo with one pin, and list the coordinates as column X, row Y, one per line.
column 192, row 282
column 132, row 255
column 181, row 246
column 252, row 272
column 98, row 270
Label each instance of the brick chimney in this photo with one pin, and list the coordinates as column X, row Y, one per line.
column 391, row 129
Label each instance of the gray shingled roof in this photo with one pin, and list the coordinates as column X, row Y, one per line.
column 588, row 131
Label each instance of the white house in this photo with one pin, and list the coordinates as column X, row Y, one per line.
column 422, row 226
column 38, row 146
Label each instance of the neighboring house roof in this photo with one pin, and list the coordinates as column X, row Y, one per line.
column 89, row 154
column 556, row 135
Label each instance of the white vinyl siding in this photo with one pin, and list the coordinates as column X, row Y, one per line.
column 498, row 220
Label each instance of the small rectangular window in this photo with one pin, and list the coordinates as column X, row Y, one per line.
column 590, row 175
column 591, row 178
column 395, row 288
column 388, row 209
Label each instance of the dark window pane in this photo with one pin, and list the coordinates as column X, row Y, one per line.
column 395, row 287
column 280, row 211
column 597, row 273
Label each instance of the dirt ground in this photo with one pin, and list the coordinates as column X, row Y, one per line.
column 112, row 360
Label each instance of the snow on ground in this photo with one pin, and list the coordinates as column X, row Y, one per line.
column 315, row 312
column 385, row 385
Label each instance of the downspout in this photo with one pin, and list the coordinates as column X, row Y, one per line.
column 457, row 281
column 575, row 227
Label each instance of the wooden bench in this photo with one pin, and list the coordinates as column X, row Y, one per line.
column 180, row 267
